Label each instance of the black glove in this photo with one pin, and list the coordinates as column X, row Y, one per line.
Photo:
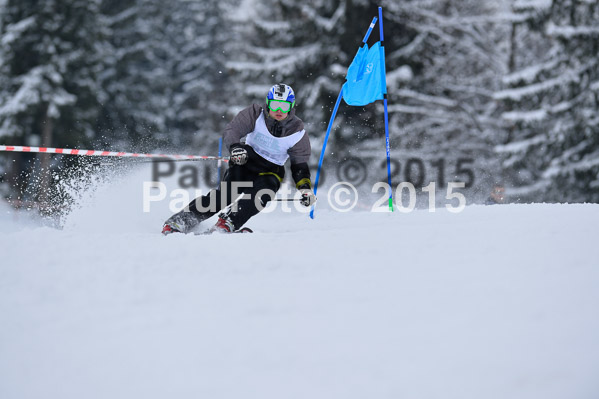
column 308, row 198
column 239, row 155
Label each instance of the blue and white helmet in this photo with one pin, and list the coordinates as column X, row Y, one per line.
column 281, row 92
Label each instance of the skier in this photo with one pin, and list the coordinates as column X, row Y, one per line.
column 273, row 134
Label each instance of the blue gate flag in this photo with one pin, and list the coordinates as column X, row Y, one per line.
column 365, row 79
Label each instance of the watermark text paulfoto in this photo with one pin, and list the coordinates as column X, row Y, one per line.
column 341, row 197
column 357, row 171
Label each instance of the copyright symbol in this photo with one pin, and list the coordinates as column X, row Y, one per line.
column 342, row 196
column 352, row 170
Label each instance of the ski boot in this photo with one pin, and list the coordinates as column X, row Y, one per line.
column 181, row 222
column 223, row 225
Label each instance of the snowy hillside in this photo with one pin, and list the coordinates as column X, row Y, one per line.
column 494, row 302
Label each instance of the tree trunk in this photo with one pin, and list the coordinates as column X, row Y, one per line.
column 14, row 172
column 511, row 68
column 45, row 176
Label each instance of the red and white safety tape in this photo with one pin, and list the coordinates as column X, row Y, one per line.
column 95, row 153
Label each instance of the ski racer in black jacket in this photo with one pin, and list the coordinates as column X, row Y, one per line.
column 272, row 135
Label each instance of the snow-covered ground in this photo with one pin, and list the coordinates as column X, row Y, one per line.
column 493, row 302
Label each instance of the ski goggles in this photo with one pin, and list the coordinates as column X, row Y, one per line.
column 279, row 105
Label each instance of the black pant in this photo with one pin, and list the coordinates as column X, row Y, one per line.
column 249, row 183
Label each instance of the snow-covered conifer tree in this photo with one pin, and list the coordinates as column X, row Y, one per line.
column 552, row 153
column 442, row 75
column 50, row 55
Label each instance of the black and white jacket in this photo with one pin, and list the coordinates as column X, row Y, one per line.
column 270, row 143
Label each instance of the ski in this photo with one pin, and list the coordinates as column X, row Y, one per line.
column 210, row 231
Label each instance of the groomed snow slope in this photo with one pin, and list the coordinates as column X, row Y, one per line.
column 494, row 302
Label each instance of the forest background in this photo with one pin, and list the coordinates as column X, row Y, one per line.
column 485, row 92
